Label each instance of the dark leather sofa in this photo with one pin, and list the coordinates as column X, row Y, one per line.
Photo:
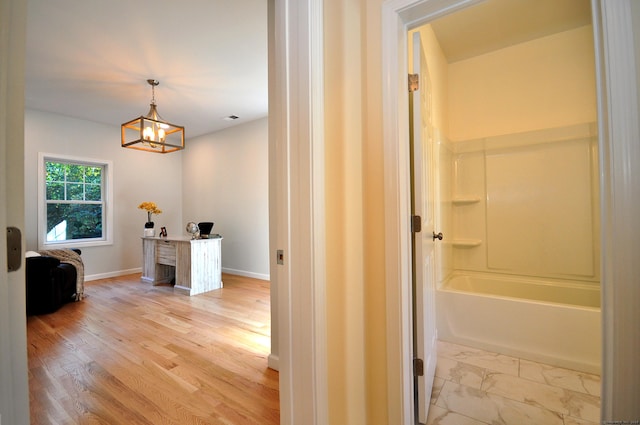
column 49, row 284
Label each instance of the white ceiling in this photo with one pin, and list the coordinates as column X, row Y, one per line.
column 90, row 59
column 496, row 24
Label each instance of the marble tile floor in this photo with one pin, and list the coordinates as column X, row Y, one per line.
column 477, row 387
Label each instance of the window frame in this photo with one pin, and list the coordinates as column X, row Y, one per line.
column 107, row 213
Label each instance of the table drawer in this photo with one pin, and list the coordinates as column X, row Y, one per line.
column 166, row 253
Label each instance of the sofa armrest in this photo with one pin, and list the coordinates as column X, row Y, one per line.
column 42, row 262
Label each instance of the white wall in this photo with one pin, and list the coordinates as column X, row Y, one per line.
column 554, row 74
column 138, row 176
column 220, row 177
column 226, row 180
column 535, row 209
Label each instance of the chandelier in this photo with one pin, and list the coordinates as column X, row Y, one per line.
column 151, row 133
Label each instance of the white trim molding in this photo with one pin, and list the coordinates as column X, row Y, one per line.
column 107, row 184
column 297, row 114
column 118, row 273
column 273, row 361
column 252, row 275
column 397, row 260
column 620, row 207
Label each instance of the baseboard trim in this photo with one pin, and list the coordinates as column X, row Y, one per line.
column 118, row 273
column 260, row 276
column 273, row 361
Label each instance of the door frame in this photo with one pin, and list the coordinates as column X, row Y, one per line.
column 297, row 205
column 620, row 199
column 398, row 17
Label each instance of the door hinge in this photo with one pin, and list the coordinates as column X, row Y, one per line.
column 14, row 249
column 414, row 82
column 418, row 367
column 416, row 224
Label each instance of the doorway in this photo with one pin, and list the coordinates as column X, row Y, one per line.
column 517, row 159
column 616, row 29
column 508, row 105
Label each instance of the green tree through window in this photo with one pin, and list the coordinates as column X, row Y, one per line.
column 74, row 201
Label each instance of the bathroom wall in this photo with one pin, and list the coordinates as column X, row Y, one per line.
column 524, row 196
column 545, row 83
column 527, row 204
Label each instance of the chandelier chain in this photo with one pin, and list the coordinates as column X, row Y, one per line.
column 153, row 83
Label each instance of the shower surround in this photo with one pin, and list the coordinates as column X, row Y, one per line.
column 520, row 268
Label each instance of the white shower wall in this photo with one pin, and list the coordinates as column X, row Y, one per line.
column 522, row 219
column 526, row 204
column 517, row 101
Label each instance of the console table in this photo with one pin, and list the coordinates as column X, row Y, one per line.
column 195, row 264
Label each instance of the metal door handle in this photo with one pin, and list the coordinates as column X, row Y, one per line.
column 437, row 236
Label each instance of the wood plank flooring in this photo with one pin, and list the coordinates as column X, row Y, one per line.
column 131, row 353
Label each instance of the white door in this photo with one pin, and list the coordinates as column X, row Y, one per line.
column 423, row 206
column 14, row 394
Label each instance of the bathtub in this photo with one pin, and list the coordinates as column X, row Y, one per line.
column 553, row 322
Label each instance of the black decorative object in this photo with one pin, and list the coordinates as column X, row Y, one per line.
column 205, row 228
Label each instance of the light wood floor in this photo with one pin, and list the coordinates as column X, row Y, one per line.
column 131, row 353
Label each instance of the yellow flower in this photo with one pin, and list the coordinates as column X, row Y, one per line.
column 150, row 208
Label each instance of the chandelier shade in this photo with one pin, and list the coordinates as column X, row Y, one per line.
column 151, row 133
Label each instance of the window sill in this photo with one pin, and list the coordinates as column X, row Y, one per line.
column 71, row 244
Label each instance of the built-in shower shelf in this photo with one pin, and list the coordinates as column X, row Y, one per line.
column 465, row 201
column 466, row 243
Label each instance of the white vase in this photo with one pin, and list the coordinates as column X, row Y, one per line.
column 149, row 233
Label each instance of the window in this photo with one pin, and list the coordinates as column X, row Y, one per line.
column 74, row 199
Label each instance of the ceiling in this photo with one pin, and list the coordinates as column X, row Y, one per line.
column 91, row 59
column 496, row 24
